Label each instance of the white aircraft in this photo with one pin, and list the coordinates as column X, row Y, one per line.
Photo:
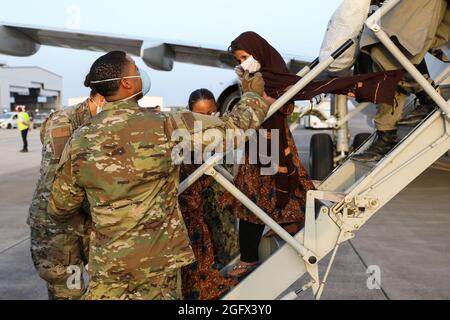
column 342, row 203
column 24, row 40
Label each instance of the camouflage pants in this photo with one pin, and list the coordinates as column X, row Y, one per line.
column 223, row 225
column 387, row 115
column 59, row 259
column 163, row 287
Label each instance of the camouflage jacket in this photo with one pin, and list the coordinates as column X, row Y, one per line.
column 54, row 134
column 123, row 163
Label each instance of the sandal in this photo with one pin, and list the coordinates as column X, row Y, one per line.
column 244, row 270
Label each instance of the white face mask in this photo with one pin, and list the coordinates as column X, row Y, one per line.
column 251, row 65
column 99, row 107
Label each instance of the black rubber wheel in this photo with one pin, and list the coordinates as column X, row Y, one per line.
column 9, row 126
column 230, row 101
column 321, row 156
column 360, row 139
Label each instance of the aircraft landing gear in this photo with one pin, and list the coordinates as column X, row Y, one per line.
column 328, row 152
column 321, row 156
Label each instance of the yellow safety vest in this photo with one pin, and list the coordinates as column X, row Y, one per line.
column 23, row 121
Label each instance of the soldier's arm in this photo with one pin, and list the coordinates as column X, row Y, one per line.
column 66, row 196
column 43, row 131
column 249, row 113
column 60, row 130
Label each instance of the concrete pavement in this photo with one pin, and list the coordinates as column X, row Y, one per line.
column 407, row 239
column 18, row 175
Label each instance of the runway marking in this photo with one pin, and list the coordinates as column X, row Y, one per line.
column 15, row 245
column 383, row 291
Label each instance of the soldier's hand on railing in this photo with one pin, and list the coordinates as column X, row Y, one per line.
column 253, row 83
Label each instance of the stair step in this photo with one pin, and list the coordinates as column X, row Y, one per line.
column 393, row 174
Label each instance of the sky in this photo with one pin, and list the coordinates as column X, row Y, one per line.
column 291, row 26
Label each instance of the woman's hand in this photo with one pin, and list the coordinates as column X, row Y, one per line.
column 239, row 71
column 269, row 100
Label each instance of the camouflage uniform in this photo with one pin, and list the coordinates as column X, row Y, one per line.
column 223, row 223
column 123, row 163
column 53, row 249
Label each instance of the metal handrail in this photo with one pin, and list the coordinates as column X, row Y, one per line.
column 208, row 167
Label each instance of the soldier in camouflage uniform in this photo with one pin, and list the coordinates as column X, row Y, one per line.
column 53, row 250
column 123, row 163
column 221, row 216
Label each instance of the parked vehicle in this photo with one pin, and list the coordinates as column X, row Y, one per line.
column 8, row 120
column 39, row 119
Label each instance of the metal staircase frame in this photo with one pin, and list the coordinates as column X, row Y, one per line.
column 349, row 197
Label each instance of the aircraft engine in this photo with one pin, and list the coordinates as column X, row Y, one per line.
column 16, row 43
column 159, row 57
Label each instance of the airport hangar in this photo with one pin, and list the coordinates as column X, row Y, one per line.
column 37, row 89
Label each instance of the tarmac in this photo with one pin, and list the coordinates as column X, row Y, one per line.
column 407, row 241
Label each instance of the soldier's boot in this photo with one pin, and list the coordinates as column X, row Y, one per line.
column 384, row 142
column 425, row 107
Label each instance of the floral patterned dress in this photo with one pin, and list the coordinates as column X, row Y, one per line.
column 213, row 236
column 262, row 191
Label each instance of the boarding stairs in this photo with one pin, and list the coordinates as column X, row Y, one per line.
column 347, row 199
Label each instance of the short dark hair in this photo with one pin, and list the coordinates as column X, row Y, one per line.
column 93, row 93
column 198, row 95
column 108, row 66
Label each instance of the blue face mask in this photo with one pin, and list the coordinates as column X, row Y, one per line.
column 146, row 85
column 146, row 82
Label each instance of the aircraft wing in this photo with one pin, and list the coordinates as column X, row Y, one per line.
column 23, row 40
